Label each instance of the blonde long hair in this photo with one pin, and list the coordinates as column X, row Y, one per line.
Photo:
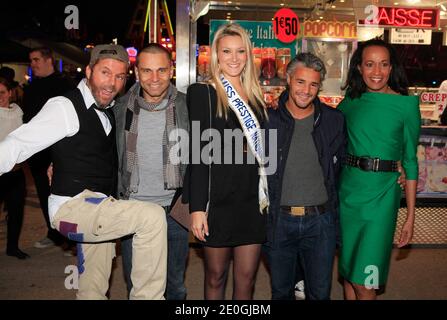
column 248, row 77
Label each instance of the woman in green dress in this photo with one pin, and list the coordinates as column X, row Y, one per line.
column 383, row 125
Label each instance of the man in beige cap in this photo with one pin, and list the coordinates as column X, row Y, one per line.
column 81, row 129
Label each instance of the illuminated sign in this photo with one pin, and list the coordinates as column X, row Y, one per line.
column 439, row 98
column 433, row 97
column 286, row 25
column 330, row 29
column 403, row 17
column 132, row 52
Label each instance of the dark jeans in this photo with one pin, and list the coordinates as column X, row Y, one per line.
column 13, row 192
column 178, row 247
column 38, row 165
column 309, row 241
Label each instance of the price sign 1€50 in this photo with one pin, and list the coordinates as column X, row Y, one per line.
column 286, row 25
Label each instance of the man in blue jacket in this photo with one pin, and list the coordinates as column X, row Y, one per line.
column 311, row 142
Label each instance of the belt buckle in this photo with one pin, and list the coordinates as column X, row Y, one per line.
column 363, row 163
column 376, row 162
column 297, row 211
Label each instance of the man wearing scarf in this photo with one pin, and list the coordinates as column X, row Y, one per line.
column 151, row 112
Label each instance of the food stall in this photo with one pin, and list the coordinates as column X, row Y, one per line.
column 333, row 42
column 332, row 37
column 432, row 157
column 271, row 56
column 432, row 148
column 256, row 16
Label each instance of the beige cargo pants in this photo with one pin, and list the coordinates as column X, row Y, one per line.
column 94, row 222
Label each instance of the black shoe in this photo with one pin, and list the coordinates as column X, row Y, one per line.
column 18, row 254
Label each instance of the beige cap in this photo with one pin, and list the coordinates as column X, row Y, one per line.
column 109, row 51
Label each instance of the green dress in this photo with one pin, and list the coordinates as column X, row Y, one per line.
column 385, row 126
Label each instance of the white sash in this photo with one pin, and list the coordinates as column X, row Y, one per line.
column 252, row 132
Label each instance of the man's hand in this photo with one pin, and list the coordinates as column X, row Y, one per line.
column 18, row 166
column 50, row 173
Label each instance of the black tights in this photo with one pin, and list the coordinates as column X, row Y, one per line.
column 12, row 190
column 245, row 266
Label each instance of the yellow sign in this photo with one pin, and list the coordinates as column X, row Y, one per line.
column 330, row 29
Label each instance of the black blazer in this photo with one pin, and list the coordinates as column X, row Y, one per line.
column 195, row 187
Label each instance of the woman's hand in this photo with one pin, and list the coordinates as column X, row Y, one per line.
column 402, row 178
column 410, row 197
column 406, row 233
column 199, row 225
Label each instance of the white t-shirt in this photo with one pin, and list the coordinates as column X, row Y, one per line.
column 10, row 119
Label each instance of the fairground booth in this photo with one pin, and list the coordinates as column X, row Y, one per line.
column 331, row 30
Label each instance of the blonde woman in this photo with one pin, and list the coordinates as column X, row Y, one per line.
column 234, row 224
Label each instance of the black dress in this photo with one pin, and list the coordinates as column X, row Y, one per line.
column 233, row 217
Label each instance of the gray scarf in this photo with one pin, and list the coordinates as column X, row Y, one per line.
column 171, row 173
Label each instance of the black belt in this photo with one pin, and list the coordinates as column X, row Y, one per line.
column 371, row 164
column 304, row 211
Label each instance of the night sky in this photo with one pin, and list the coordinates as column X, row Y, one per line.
column 101, row 21
column 47, row 17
